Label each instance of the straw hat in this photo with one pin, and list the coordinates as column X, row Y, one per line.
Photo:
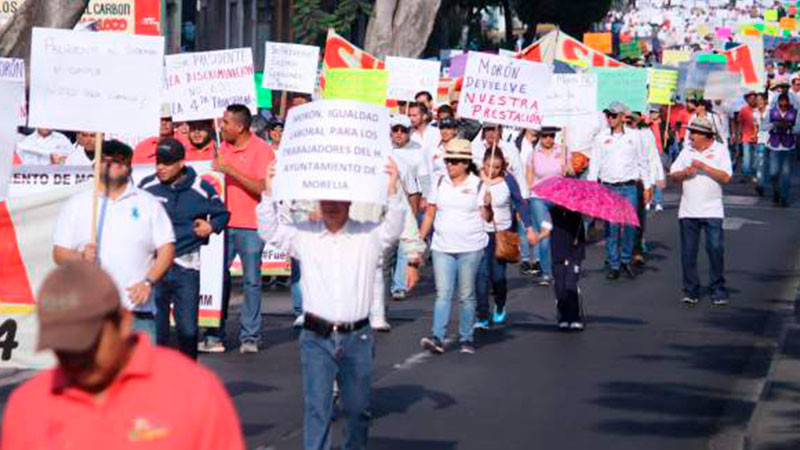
column 458, row 149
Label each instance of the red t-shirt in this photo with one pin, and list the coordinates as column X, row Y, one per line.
column 748, row 125
column 677, row 114
column 252, row 160
column 160, row 401
column 145, row 151
column 203, row 154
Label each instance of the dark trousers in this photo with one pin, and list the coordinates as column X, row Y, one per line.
column 180, row 288
column 565, row 276
column 690, row 244
column 491, row 273
column 638, row 246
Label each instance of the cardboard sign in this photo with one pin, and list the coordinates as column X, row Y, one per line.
column 626, row 85
column 601, row 42
column 12, row 74
column 675, row 57
column 201, row 85
column 662, row 85
column 409, row 76
column 572, row 104
column 342, row 54
column 334, row 150
column 722, row 86
column 771, row 15
column 290, row 67
column 96, row 81
column 503, row 90
column 363, row 85
column 630, row 50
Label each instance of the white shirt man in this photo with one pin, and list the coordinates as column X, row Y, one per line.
column 422, row 133
column 619, row 158
column 411, row 161
column 38, row 148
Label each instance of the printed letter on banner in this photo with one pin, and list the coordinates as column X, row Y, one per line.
column 504, row 90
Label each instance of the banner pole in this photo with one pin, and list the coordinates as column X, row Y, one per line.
column 666, row 129
column 98, row 160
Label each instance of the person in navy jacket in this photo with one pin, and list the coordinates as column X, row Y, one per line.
column 196, row 211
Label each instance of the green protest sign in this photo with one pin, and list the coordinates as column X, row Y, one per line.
column 263, row 96
column 712, row 58
column 630, row 50
column 628, row 85
column 363, row 85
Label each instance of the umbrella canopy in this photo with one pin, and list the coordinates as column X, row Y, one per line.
column 589, row 198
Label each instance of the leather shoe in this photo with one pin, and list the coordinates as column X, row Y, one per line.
column 628, row 271
column 612, row 274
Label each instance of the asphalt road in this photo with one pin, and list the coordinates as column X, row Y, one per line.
column 648, row 372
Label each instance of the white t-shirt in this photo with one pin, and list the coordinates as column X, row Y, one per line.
column 78, row 157
column 135, row 226
column 513, row 162
column 36, row 150
column 458, row 227
column 702, row 196
column 413, row 158
column 501, row 207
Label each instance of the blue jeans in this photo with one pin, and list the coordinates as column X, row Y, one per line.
column 449, row 269
column 180, row 288
column 399, row 273
column 491, row 273
column 249, row 247
column 780, row 172
column 748, row 159
column 346, row 357
column 527, row 251
column 690, row 243
column 658, row 196
column 762, row 165
column 146, row 326
column 294, row 289
column 620, row 239
column 540, row 211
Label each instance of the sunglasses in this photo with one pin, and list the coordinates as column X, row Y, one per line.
column 399, row 130
column 612, row 115
column 547, row 135
column 455, row 161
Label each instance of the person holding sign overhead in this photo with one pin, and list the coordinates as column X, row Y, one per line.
column 338, row 257
column 243, row 158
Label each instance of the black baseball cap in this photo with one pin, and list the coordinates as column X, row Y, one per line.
column 117, row 151
column 274, row 122
column 169, row 151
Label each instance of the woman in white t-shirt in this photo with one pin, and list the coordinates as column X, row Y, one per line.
column 457, row 207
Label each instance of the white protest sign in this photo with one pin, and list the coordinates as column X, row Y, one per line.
column 334, row 150
column 503, row 90
column 572, row 104
column 722, row 86
column 8, row 132
column 290, row 67
column 409, row 76
column 108, row 82
column 12, row 71
column 201, row 85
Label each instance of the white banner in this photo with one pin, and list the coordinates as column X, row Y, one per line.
column 334, row 150
column 572, row 104
column 8, row 131
column 106, row 82
column 503, row 90
column 290, row 67
column 409, row 76
column 201, row 85
column 12, row 73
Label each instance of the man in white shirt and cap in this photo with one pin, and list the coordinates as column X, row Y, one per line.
column 702, row 168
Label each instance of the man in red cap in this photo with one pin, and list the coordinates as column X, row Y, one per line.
column 112, row 388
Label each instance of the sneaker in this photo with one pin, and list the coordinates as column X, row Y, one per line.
column 481, row 324
column 647, row 207
column 299, row 321
column 563, row 325
column 248, row 347
column 719, row 302
column 690, row 300
column 545, row 280
column 628, row 271
column 208, row 346
column 612, row 274
column 759, row 190
column 659, row 208
column 499, row 316
column 638, row 259
column 399, row 296
column 577, row 326
column 525, row 267
column 432, row 344
column 467, row 347
column 380, row 324
column 784, row 203
column 536, row 269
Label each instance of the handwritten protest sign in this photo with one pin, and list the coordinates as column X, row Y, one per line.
column 408, row 76
column 334, row 150
column 290, row 67
column 363, row 85
column 723, row 33
column 12, row 73
column 662, row 85
column 675, row 57
column 571, row 103
column 9, row 101
column 771, row 15
column 96, row 81
column 722, row 85
column 628, row 86
column 601, row 42
column 504, row 90
column 201, row 85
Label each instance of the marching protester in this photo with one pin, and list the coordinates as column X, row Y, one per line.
column 526, row 142
column 201, row 145
column 760, row 115
column 747, row 128
column 336, row 342
column 134, row 240
column 111, row 387
column 568, row 252
column 43, row 147
column 145, row 151
column 274, row 132
column 619, row 161
column 701, row 169
column 196, row 212
column 448, row 129
column 781, row 124
column 457, row 207
column 492, row 137
column 422, row 132
column 83, row 154
column 506, row 201
column 243, row 159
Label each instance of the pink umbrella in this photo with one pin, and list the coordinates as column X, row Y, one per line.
column 589, row 198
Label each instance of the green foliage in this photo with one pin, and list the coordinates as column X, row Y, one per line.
column 310, row 20
column 574, row 16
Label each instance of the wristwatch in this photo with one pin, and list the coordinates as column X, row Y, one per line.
column 149, row 282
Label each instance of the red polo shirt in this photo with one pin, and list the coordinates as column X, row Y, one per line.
column 161, row 400
column 252, row 160
column 145, row 151
column 748, row 125
column 202, row 154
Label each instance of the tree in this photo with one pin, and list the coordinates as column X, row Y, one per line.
column 400, row 27
column 15, row 35
column 573, row 17
column 312, row 18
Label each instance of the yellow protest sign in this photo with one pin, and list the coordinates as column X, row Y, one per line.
column 363, row 85
column 662, row 85
column 771, row 15
column 675, row 57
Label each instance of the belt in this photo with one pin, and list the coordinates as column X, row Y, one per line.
column 622, row 183
column 324, row 328
column 144, row 315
